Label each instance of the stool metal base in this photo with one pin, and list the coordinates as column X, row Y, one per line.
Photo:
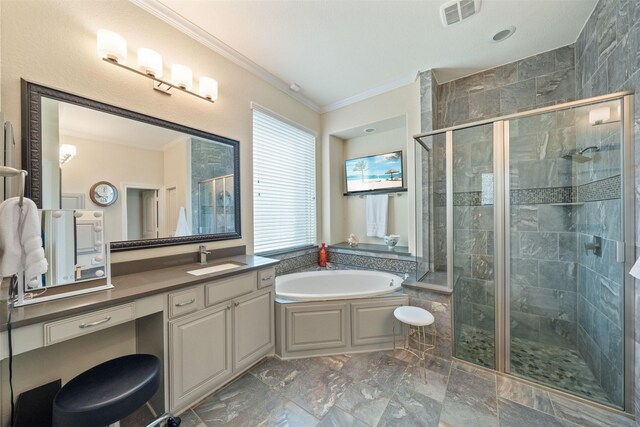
column 420, row 340
column 170, row 419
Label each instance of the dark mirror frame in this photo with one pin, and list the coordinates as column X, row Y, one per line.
column 32, row 95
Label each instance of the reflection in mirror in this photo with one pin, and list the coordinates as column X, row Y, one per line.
column 157, row 173
column 73, row 243
column 168, row 184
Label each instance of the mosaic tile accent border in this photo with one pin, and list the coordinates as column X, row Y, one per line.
column 470, row 198
column 373, row 262
column 543, row 196
column 290, row 264
column 604, row 189
column 307, row 260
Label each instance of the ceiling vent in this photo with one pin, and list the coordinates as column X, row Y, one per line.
column 458, row 10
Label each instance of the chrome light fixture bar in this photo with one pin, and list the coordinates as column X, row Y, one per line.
column 112, row 48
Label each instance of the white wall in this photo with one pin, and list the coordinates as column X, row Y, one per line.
column 176, row 162
column 134, row 213
column 118, row 164
column 52, row 42
column 404, row 101
column 50, row 154
column 354, row 208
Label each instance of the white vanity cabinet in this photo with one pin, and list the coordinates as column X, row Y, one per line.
column 209, row 347
column 199, row 353
column 253, row 335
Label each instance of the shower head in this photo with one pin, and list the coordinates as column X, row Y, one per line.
column 578, row 156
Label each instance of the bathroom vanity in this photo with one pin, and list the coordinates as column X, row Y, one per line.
column 206, row 329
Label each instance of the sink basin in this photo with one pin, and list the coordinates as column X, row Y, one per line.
column 215, row 268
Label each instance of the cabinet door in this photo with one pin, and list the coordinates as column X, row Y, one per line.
column 317, row 326
column 200, row 354
column 372, row 323
column 253, row 328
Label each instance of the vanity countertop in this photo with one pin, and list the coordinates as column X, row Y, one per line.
column 128, row 288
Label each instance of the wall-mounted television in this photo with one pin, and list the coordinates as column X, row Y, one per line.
column 373, row 173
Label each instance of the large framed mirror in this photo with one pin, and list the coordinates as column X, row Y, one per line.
column 157, row 183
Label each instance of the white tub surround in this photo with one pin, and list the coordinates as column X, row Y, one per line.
column 334, row 312
column 336, row 285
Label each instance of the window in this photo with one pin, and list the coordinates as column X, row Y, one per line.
column 284, row 184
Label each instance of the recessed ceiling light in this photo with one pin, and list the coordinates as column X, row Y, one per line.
column 370, row 130
column 294, row 87
column 504, row 34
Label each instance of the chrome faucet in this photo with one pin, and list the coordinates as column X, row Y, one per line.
column 203, row 254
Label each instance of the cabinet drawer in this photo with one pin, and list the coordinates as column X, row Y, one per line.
column 225, row 289
column 266, row 277
column 72, row 327
column 186, row 301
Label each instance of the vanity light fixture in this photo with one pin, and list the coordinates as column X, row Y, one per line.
column 112, row 48
column 67, row 151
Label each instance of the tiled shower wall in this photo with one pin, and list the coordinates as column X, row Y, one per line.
column 541, row 80
column 473, row 228
column 536, row 81
column 608, row 61
column 208, row 160
column 434, row 238
column 543, row 240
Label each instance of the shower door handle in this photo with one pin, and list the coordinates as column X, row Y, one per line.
column 619, row 251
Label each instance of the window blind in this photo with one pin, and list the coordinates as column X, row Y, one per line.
column 284, row 184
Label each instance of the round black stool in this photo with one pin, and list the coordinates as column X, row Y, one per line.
column 109, row 392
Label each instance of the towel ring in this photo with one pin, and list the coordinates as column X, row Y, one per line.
column 9, row 172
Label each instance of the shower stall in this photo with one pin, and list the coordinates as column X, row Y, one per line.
column 215, row 211
column 530, row 218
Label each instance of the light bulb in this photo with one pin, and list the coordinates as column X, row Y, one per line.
column 208, row 88
column 112, row 46
column 182, row 76
column 150, row 62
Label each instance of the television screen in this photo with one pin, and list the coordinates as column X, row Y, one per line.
column 379, row 172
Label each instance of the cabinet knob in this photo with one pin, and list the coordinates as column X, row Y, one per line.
column 228, row 307
column 236, row 304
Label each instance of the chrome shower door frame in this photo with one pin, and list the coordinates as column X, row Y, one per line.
column 503, row 264
column 502, row 227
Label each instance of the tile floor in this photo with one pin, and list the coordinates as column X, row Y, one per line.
column 387, row 389
column 552, row 365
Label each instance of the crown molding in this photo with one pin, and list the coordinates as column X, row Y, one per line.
column 374, row 91
column 166, row 14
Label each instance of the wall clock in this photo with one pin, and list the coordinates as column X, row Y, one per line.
column 103, row 193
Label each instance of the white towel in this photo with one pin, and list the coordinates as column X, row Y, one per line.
column 182, row 228
column 21, row 240
column 377, row 215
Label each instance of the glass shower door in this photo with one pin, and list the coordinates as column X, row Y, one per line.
column 473, row 242
column 565, row 278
